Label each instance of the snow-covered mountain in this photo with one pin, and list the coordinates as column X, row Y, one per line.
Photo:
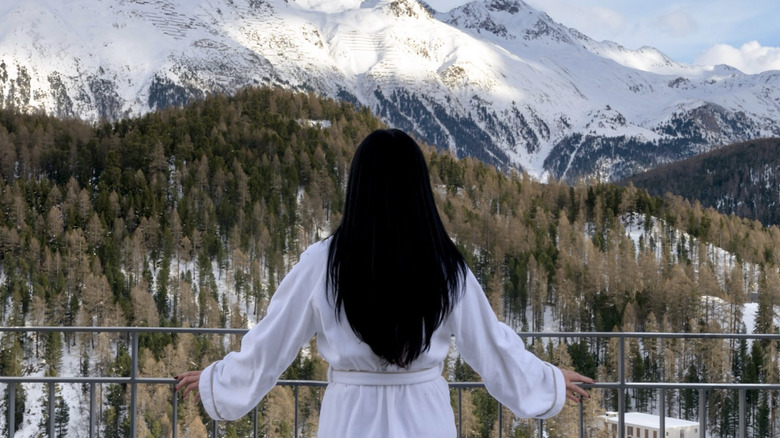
column 494, row 79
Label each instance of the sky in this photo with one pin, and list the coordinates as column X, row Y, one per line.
column 744, row 34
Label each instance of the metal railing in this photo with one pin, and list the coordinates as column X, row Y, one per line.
column 621, row 385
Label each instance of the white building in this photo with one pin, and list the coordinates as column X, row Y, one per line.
column 639, row 425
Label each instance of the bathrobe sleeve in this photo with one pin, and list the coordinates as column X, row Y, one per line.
column 528, row 386
column 231, row 387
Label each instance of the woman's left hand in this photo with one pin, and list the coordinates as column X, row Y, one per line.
column 188, row 382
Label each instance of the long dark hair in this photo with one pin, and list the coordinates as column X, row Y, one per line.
column 392, row 267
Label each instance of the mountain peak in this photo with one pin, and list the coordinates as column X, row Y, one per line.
column 508, row 20
column 409, row 8
column 509, row 6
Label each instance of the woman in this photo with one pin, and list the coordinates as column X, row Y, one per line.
column 384, row 295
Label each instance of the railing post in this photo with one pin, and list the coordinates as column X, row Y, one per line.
column 662, row 413
column 741, row 433
column 460, row 413
column 582, row 420
column 662, row 403
column 500, row 418
column 622, row 387
column 11, row 409
column 702, row 413
column 51, row 409
column 254, row 415
column 295, row 389
column 133, row 383
column 175, row 413
column 92, row 409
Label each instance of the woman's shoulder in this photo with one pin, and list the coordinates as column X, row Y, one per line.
column 316, row 251
column 319, row 247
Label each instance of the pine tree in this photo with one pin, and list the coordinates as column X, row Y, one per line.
column 10, row 365
column 565, row 423
column 735, row 290
column 61, row 417
column 485, row 412
column 690, row 397
column 278, row 419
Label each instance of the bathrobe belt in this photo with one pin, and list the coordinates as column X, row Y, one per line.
column 382, row 378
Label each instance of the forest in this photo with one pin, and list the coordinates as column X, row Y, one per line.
column 190, row 217
column 741, row 179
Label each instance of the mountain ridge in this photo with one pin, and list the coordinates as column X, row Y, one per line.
column 493, row 79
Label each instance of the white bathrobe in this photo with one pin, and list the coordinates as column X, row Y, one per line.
column 365, row 398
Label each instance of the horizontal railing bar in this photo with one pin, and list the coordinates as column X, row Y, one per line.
column 82, row 379
column 640, row 335
column 455, row 385
column 94, row 329
column 670, row 385
column 237, row 331
column 139, row 380
column 314, row 383
column 652, row 385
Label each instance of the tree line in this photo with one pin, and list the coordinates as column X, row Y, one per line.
column 191, row 216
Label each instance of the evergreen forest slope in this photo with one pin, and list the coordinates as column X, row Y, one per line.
column 191, row 216
column 741, row 179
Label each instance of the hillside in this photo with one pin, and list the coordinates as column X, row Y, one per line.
column 742, row 179
column 191, row 216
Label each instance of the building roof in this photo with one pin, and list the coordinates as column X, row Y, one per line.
column 648, row 420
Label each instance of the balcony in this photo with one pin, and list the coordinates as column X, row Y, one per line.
column 619, row 387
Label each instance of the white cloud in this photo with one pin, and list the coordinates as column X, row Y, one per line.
column 677, row 24
column 604, row 18
column 751, row 58
column 598, row 22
